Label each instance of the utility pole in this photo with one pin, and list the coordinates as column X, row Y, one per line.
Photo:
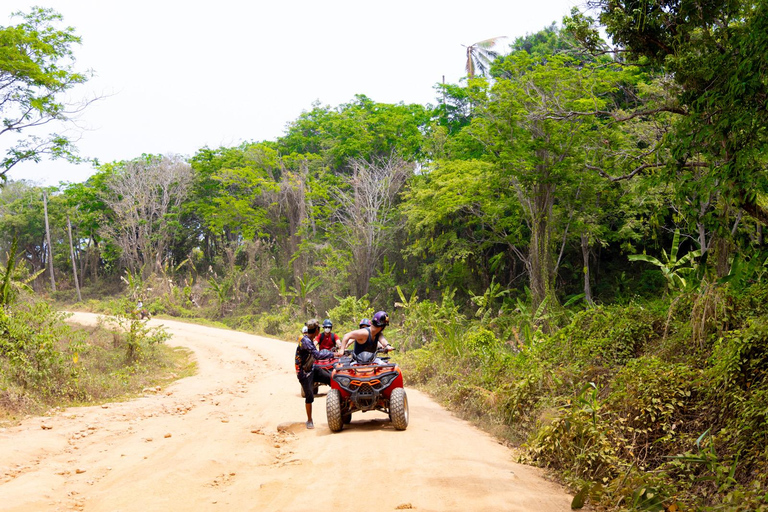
column 48, row 239
column 72, row 255
column 443, row 89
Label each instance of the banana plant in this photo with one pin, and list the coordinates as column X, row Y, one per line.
column 675, row 270
column 304, row 289
column 10, row 281
column 406, row 303
column 485, row 302
column 223, row 290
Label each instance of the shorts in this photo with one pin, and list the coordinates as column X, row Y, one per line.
column 307, row 383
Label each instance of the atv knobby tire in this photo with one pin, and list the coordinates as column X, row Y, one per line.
column 333, row 410
column 398, row 409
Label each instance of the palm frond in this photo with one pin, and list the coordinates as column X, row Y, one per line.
column 489, row 43
column 480, row 56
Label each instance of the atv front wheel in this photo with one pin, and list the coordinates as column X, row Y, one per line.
column 347, row 418
column 333, row 410
column 398, row 409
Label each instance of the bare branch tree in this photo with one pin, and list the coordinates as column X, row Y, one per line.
column 142, row 194
column 367, row 212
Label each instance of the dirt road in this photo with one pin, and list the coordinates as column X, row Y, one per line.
column 210, row 442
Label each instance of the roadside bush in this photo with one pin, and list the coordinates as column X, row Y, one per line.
column 280, row 323
column 650, row 402
column 133, row 333
column 740, row 357
column 519, row 397
column 605, row 336
column 482, row 344
column 578, row 442
column 37, row 347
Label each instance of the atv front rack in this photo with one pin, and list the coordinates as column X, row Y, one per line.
column 342, row 366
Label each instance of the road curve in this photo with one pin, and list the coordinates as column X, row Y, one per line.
column 210, row 443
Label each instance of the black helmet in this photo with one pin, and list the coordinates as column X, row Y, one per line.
column 365, row 322
column 327, row 323
column 381, row 319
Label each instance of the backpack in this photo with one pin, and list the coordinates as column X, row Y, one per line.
column 307, row 364
column 332, row 336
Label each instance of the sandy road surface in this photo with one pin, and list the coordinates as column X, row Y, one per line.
column 210, row 442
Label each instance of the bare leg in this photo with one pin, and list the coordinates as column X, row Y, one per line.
column 310, row 424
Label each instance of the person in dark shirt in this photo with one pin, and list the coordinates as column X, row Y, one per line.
column 306, row 354
column 369, row 339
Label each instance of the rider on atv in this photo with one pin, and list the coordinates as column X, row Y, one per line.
column 327, row 340
column 369, row 339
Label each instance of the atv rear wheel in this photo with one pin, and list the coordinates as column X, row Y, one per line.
column 398, row 409
column 333, row 410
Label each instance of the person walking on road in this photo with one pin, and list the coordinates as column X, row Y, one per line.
column 306, row 354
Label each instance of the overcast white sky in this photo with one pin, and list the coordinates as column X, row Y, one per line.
column 180, row 75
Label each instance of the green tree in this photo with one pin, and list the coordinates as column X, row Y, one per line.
column 36, row 72
column 465, row 225
column 362, row 129
column 536, row 144
column 21, row 217
column 714, row 56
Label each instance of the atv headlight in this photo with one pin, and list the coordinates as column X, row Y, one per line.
column 343, row 381
column 386, row 379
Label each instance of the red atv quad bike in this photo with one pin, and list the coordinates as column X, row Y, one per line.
column 323, row 368
column 364, row 383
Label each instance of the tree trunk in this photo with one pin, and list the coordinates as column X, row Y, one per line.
column 540, row 256
column 72, row 255
column 48, row 239
column 84, row 260
column 585, row 257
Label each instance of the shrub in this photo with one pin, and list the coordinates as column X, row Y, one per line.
column 740, row 357
column 280, row 323
column 649, row 402
column 605, row 336
column 37, row 346
column 133, row 333
column 578, row 441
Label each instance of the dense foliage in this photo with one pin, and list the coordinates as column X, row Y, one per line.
column 571, row 247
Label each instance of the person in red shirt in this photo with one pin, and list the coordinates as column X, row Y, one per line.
column 327, row 340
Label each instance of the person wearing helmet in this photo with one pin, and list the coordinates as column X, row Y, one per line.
column 303, row 333
column 383, row 343
column 327, row 340
column 306, row 354
column 368, row 339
